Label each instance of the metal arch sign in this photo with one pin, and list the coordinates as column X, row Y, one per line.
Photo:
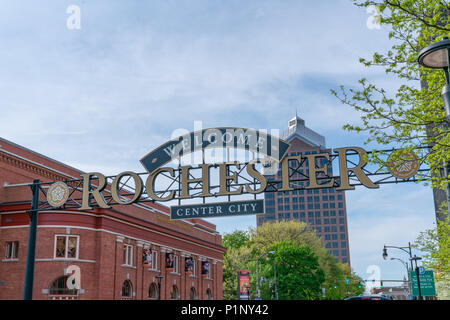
column 251, row 140
column 232, row 178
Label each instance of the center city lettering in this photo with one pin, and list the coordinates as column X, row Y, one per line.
column 228, row 181
column 217, row 209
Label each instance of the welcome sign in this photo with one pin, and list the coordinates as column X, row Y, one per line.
column 226, row 137
column 222, row 179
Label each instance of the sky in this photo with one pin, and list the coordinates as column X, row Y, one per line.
column 99, row 84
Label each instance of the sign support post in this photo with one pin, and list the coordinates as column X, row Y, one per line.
column 33, row 213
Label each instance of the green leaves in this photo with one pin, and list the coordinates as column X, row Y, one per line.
column 303, row 266
column 413, row 115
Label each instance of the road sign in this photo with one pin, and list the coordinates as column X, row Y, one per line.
column 427, row 286
column 421, row 270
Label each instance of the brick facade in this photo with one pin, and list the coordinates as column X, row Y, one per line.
column 101, row 235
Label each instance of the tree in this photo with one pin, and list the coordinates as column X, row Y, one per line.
column 235, row 239
column 245, row 247
column 435, row 244
column 413, row 116
column 299, row 276
column 238, row 253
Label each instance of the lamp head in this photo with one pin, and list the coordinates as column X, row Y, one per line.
column 436, row 55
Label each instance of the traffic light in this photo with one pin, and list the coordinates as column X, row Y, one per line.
column 335, row 284
column 359, row 284
column 381, row 284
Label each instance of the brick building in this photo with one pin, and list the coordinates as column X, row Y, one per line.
column 107, row 246
column 323, row 209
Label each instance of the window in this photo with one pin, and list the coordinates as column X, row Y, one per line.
column 127, row 290
column 127, row 255
column 192, row 294
column 59, row 287
column 66, row 246
column 209, row 295
column 153, row 291
column 174, row 292
column 150, row 259
column 176, row 265
column 12, row 250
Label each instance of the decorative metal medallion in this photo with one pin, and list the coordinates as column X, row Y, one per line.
column 57, row 194
column 403, row 165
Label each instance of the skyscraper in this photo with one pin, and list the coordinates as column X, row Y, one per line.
column 323, row 209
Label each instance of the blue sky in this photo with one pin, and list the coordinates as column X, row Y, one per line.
column 102, row 96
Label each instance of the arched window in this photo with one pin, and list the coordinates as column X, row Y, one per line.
column 153, row 291
column 208, row 294
column 174, row 293
column 59, row 289
column 192, row 295
column 127, row 290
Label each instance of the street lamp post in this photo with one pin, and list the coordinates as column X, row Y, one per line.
column 385, row 255
column 417, row 276
column 437, row 56
column 276, row 283
column 159, row 277
column 407, row 273
column 405, row 249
